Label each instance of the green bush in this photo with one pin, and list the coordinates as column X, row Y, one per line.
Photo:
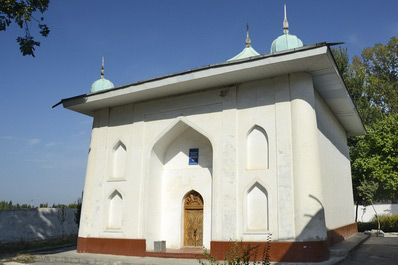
column 363, row 226
column 388, row 223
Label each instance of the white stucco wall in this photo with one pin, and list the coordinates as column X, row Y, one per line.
column 335, row 168
column 156, row 136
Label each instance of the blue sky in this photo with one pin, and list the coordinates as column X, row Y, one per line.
column 43, row 151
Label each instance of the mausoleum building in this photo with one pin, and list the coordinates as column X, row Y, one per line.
column 247, row 149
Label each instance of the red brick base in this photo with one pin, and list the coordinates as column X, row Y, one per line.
column 341, row 233
column 126, row 247
column 314, row 251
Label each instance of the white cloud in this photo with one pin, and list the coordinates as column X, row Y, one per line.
column 33, row 141
column 51, row 144
column 353, row 38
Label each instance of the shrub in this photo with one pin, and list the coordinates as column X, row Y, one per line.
column 388, row 223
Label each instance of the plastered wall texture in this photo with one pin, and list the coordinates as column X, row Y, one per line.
column 366, row 213
column 36, row 224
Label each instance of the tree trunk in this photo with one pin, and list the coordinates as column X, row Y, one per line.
column 377, row 217
column 356, row 212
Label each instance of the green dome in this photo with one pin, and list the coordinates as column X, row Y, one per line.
column 101, row 84
column 286, row 42
column 248, row 51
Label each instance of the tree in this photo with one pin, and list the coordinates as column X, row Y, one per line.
column 375, row 158
column 372, row 81
column 21, row 12
column 356, row 80
column 381, row 64
column 367, row 191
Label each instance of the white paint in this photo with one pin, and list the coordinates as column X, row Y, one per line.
column 367, row 213
column 257, row 149
column 269, row 152
column 115, row 211
column 119, row 161
column 257, row 209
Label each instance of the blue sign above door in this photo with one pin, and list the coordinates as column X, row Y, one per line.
column 193, row 156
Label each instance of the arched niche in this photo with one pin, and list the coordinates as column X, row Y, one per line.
column 115, row 211
column 171, row 176
column 256, row 214
column 119, row 153
column 257, row 153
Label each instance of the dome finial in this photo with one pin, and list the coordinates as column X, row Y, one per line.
column 248, row 40
column 285, row 23
column 102, row 68
column 102, row 83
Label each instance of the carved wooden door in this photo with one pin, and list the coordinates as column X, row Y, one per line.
column 193, row 220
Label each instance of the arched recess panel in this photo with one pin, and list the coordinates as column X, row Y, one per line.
column 171, row 176
column 257, row 208
column 257, row 149
column 115, row 212
column 119, row 161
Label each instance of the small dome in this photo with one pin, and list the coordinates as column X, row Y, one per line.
column 101, row 84
column 286, row 42
column 248, row 51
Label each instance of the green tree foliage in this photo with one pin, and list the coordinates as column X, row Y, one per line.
column 21, row 12
column 4, row 205
column 375, row 159
column 372, row 81
column 79, row 210
column 381, row 64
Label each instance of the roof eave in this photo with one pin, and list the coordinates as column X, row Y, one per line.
column 304, row 59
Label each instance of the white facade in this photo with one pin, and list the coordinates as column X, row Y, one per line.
column 273, row 158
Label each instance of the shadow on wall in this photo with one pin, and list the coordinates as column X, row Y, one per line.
column 316, row 249
column 36, row 224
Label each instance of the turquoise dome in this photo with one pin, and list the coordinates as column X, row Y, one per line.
column 101, row 84
column 286, row 42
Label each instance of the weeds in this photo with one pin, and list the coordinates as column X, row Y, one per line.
column 240, row 254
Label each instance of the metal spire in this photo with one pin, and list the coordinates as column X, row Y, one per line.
column 248, row 40
column 285, row 23
column 102, row 68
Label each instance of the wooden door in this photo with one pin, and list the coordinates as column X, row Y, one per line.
column 193, row 220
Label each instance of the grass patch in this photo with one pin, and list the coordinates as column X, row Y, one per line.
column 24, row 246
column 21, row 258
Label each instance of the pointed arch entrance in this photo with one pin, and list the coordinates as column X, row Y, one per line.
column 171, row 178
column 193, row 220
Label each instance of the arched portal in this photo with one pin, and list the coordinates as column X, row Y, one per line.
column 181, row 160
column 193, row 219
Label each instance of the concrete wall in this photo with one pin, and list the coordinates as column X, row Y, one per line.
column 366, row 213
column 36, row 224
